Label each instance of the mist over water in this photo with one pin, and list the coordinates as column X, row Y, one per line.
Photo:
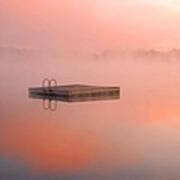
column 135, row 137
column 92, row 42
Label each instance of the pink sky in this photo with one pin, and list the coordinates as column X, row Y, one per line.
column 90, row 24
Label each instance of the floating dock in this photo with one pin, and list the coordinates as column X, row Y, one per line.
column 75, row 93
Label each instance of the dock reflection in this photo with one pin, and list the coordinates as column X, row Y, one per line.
column 50, row 102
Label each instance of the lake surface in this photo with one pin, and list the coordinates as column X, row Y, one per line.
column 134, row 138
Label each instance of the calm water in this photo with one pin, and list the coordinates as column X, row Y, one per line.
column 134, row 138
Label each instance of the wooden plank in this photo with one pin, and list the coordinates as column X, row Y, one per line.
column 75, row 93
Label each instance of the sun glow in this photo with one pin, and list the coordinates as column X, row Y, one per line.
column 116, row 4
column 169, row 4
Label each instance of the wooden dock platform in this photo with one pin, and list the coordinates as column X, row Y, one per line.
column 75, row 93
